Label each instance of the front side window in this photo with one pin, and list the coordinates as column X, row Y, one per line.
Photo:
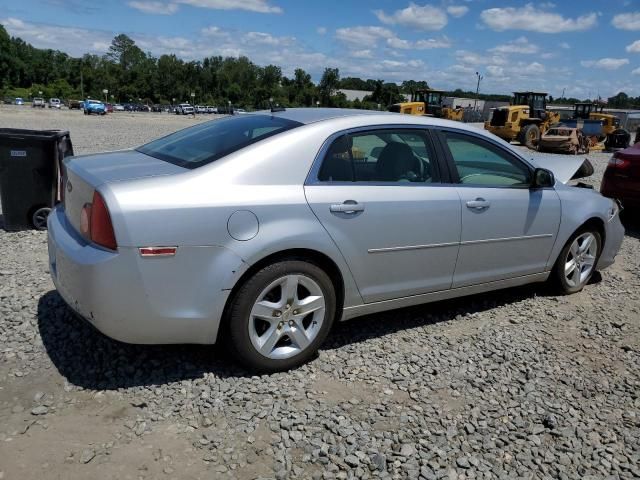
column 397, row 156
column 479, row 163
column 202, row 144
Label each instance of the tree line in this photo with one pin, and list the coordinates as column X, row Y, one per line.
column 131, row 75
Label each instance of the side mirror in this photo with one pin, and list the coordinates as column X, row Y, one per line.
column 543, row 178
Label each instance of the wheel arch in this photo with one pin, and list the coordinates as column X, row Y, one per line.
column 595, row 222
column 319, row 259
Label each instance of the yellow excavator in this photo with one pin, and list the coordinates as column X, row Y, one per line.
column 525, row 120
column 428, row 102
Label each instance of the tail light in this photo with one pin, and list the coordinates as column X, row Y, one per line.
column 620, row 161
column 95, row 223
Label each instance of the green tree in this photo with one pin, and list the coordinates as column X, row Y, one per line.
column 329, row 83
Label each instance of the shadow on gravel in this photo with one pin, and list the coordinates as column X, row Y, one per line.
column 87, row 358
column 631, row 221
column 385, row 323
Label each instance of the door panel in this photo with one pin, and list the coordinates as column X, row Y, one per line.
column 511, row 237
column 399, row 241
column 508, row 228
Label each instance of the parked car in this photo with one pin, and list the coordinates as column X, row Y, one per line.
column 211, row 109
column 621, row 179
column 19, row 101
column 94, row 106
column 55, row 103
column 563, row 140
column 108, row 107
column 283, row 222
column 118, row 108
column 201, row 109
column 38, row 102
column 184, row 109
column 75, row 105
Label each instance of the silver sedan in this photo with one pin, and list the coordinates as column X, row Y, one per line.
column 260, row 231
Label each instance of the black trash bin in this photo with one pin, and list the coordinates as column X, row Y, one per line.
column 30, row 166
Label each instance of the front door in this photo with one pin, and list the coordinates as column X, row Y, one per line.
column 508, row 228
column 378, row 195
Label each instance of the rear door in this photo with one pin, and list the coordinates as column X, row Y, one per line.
column 378, row 194
column 508, row 228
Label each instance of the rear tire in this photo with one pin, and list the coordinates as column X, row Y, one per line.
column 577, row 261
column 280, row 316
column 530, row 136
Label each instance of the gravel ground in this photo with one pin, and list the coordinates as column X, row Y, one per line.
column 512, row 384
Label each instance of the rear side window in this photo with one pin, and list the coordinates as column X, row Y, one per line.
column 398, row 156
column 202, row 144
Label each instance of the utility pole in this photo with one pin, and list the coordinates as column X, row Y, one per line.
column 475, row 103
column 81, row 84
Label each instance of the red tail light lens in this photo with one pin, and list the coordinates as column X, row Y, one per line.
column 619, row 161
column 95, row 223
column 101, row 227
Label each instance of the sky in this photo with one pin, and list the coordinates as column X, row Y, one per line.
column 585, row 48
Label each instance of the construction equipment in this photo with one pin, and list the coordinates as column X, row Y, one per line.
column 603, row 130
column 525, row 120
column 428, row 102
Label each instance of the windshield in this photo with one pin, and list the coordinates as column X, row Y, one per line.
column 202, row 144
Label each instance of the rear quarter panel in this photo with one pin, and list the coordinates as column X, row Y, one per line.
column 192, row 209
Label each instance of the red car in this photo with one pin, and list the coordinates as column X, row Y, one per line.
column 621, row 179
column 109, row 107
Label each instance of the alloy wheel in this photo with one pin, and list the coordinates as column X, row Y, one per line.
column 581, row 259
column 287, row 316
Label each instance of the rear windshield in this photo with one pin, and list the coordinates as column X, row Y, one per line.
column 202, row 144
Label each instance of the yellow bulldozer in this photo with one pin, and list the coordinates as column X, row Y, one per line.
column 525, row 120
column 428, row 102
column 610, row 134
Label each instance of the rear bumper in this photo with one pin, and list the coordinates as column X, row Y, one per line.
column 614, row 232
column 142, row 300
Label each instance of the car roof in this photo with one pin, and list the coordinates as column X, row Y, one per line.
column 312, row 115
column 315, row 115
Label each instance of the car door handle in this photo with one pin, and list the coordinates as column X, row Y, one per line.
column 478, row 204
column 349, row 206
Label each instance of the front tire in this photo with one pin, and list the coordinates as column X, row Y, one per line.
column 530, row 136
column 577, row 261
column 281, row 315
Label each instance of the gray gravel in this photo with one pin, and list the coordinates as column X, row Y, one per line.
column 512, row 384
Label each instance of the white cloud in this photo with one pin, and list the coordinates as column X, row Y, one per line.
column 361, row 53
column 75, row 41
column 321, row 30
column 520, row 45
column 363, row 36
column 634, row 47
column 564, row 45
column 635, row 71
column 430, row 43
column 605, row 63
column 153, row 7
column 424, row 17
column 170, row 7
column 268, row 39
column 457, row 10
column 533, row 19
column 427, row 44
column 627, row 21
column 495, row 71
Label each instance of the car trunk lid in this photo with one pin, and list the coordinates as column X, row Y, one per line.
column 83, row 174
